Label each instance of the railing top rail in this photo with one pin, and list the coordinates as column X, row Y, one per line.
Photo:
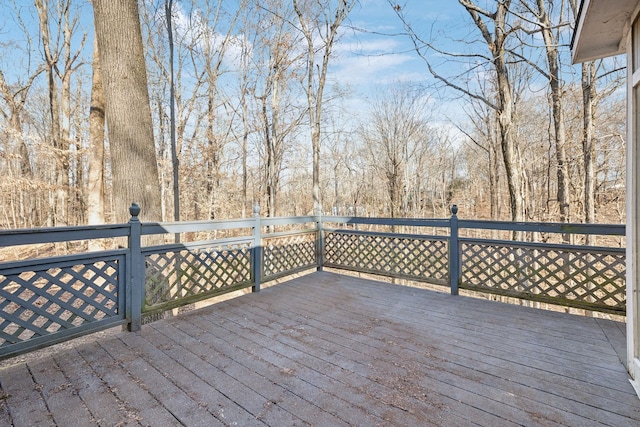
column 418, row 222
column 546, row 227
column 383, row 234
column 222, row 243
column 31, row 236
column 538, row 245
column 288, row 233
column 287, row 220
column 59, row 260
column 191, row 226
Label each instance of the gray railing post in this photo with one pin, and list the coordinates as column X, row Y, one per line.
column 319, row 240
column 454, row 251
column 135, row 284
column 258, row 253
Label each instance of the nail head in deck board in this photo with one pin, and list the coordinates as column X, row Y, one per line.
column 333, row 349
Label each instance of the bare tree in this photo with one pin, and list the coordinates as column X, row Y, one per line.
column 395, row 134
column 542, row 17
column 60, row 64
column 168, row 10
column 590, row 99
column 14, row 97
column 280, row 116
column 483, row 136
column 319, row 22
column 495, row 32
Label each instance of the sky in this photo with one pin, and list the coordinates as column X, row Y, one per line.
column 380, row 52
column 374, row 52
column 371, row 51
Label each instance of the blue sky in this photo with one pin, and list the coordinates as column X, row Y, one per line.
column 381, row 55
column 364, row 60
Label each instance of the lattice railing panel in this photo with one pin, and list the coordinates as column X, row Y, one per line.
column 590, row 277
column 420, row 258
column 190, row 273
column 36, row 301
column 288, row 254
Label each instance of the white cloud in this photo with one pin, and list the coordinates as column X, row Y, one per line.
column 194, row 30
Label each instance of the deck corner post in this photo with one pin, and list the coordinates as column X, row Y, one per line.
column 454, row 247
column 257, row 252
column 319, row 240
column 135, row 284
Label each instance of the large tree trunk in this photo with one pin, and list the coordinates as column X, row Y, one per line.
column 133, row 156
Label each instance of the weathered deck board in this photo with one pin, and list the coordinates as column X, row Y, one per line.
column 332, row 350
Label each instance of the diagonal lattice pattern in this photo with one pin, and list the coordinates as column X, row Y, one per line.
column 589, row 277
column 287, row 254
column 43, row 300
column 173, row 276
column 420, row 258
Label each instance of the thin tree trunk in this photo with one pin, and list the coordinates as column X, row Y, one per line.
column 553, row 63
column 59, row 208
column 315, row 89
column 172, row 112
column 588, row 145
column 95, row 180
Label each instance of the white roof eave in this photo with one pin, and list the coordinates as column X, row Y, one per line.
column 600, row 28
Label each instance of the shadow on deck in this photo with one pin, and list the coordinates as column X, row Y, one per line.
column 330, row 350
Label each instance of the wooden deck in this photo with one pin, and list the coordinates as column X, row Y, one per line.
column 332, row 350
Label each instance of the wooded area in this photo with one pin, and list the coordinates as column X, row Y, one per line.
column 256, row 117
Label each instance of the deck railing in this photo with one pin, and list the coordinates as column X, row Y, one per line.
column 578, row 276
column 47, row 300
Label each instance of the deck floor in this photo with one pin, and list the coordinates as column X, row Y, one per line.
column 333, row 350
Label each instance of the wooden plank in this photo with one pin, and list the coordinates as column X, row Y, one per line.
column 5, row 416
column 616, row 336
column 234, row 380
column 467, row 336
column 327, row 349
column 285, row 394
column 140, row 403
column 392, row 403
column 183, row 407
column 100, row 400
column 23, row 398
column 155, row 349
column 60, row 394
column 329, row 394
column 531, row 342
column 458, row 371
column 308, row 310
column 392, row 372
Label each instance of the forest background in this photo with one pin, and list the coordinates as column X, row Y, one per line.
column 368, row 108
